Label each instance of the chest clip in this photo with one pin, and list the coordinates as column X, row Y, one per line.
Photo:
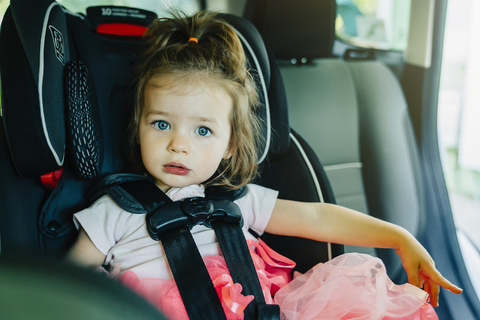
column 189, row 213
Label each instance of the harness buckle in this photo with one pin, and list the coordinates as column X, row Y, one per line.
column 189, row 213
column 198, row 210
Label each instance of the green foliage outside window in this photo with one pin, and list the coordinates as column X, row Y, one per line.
column 366, row 7
column 3, row 7
column 373, row 23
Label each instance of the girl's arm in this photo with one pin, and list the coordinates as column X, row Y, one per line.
column 84, row 252
column 332, row 223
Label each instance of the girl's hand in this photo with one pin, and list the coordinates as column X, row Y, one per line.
column 421, row 270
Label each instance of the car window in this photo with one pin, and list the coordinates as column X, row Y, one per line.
column 458, row 118
column 3, row 6
column 379, row 24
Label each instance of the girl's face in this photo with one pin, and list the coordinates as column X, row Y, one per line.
column 184, row 133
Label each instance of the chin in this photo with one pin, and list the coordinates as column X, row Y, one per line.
column 178, row 184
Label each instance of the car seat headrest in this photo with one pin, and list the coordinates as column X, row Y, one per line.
column 270, row 87
column 295, row 29
column 32, row 90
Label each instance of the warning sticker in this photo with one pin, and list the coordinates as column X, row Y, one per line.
column 123, row 12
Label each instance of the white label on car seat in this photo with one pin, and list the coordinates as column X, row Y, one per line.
column 58, row 44
column 123, row 12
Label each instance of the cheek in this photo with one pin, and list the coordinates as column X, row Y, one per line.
column 229, row 150
column 212, row 156
column 147, row 152
column 224, row 149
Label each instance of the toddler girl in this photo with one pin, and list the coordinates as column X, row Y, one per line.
column 194, row 126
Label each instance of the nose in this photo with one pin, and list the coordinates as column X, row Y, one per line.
column 179, row 144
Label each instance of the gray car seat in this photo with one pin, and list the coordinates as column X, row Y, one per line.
column 352, row 112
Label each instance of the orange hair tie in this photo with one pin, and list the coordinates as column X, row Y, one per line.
column 192, row 39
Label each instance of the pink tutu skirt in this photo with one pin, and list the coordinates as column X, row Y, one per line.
column 351, row 286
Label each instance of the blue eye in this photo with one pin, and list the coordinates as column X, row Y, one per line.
column 203, row 131
column 161, row 125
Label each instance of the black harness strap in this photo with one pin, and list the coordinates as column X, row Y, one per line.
column 268, row 311
column 191, row 276
column 170, row 222
column 193, row 281
column 226, row 219
column 148, row 195
column 239, row 261
column 132, row 192
column 232, row 240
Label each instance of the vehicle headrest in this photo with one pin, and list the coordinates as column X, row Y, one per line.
column 33, row 87
column 295, row 29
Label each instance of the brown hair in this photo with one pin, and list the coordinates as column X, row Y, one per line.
column 217, row 59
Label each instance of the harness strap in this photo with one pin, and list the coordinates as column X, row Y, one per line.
column 239, row 261
column 225, row 218
column 172, row 228
column 191, row 276
column 132, row 192
column 268, row 311
column 147, row 194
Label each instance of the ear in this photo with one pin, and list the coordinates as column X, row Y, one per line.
column 229, row 152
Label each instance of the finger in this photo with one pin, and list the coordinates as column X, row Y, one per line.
column 450, row 286
column 437, row 278
column 434, row 293
column 421, row 281
column 428, row 289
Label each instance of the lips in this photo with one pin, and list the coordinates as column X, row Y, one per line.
column 176, row 168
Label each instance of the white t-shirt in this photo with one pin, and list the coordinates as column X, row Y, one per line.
column 123, row 238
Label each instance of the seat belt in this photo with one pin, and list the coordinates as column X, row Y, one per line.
column 170, row 222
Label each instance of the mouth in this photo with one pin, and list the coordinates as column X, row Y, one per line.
column 176, row 168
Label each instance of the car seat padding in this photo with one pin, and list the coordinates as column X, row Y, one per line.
column 85, row 138
column 39, row 47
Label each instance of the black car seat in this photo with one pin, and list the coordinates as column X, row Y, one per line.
column 42, row 134
column 351, row 111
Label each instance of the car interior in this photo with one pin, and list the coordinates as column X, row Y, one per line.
column 339, row 98
column 342, row 125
